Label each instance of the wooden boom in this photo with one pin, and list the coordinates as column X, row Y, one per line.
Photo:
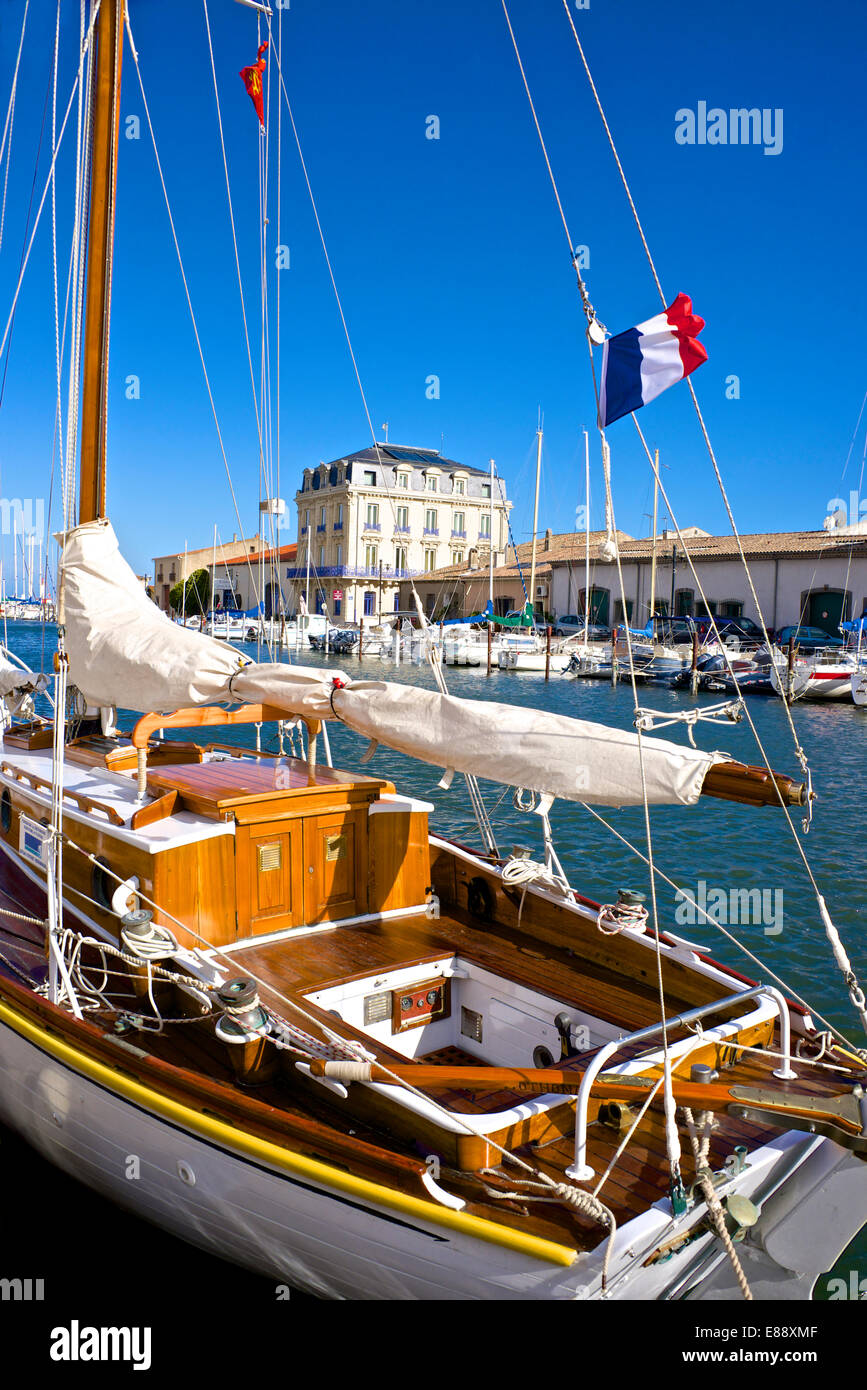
column 753, row 786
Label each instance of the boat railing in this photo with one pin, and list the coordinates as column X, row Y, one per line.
column 580, row 1169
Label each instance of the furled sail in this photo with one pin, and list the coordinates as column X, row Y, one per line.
column 123, row 651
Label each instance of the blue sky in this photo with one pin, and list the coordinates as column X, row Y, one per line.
column 450, row 256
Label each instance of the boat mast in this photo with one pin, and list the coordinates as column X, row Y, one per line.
column 586, row 538
column 535, row 523
column 105, row 72
column 491, row 543
column 653, row 549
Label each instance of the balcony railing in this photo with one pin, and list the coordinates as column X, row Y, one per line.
column 431, row 531
column 459, row 535
column 354, row 572
column 304, row 530
column 338, row 526
column 321, row 527
column 372, row 526
column 401, row 530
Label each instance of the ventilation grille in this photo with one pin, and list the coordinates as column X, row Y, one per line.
column 471, row 1024
column 377, row 1007
column 269, row 857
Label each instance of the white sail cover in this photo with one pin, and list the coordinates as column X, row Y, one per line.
column 124, row 651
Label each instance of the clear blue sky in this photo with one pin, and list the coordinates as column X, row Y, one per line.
column 450, row 256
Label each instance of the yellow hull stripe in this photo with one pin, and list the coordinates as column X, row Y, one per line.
column 227, row 1136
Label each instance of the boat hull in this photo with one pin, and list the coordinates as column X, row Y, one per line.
column 305, row 1233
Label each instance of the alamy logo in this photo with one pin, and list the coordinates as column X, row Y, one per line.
column 731, row 907
column 25, row 517
column 22, row 1290
column 77, row 1343
column 738, row 126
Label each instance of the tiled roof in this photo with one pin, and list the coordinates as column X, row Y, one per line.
column 286, row 552
column 413, row 457
column 570, row 549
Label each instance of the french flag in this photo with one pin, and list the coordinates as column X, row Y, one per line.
column 642, row 362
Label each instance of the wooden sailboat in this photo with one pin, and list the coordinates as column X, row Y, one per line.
column 348, row 1052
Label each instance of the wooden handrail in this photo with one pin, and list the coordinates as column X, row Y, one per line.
column 85, row 803
column 202, row 716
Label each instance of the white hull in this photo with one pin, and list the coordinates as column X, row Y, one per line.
column 301, row 1229
column 533, row 661
column 824, row 681
column 859, row 687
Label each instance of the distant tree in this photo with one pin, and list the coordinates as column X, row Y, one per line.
column 193, row 595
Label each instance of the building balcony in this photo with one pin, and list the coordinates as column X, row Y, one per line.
column 459, row 535
column 322, row 527
column 401, row 530
column 304, row 530
column 372, row 526
column 338, row 526
column 431, row 531
column 387, row 574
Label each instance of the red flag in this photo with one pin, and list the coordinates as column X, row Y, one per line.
column 252, row 80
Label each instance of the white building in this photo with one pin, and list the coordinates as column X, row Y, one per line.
column 812, row 577
column 387, row 513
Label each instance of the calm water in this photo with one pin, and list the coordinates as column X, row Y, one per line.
column 724, row 846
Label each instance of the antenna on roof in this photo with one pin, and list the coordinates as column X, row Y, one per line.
column 385, row 427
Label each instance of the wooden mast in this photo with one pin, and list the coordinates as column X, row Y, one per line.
column 106, row 64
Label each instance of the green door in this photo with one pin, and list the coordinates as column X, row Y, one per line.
column 825, row 610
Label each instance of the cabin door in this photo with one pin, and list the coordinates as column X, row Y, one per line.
column 270, row 873
column 335, row 865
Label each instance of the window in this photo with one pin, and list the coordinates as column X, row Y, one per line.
column 339, row 522
column 459, row 486
column 486, row 489
column 372, row 514
column 402, row 523
column 370, row 478
column 340, row 555
column 403, row 480
column 432, row 484
column 731, row 609
column 321, row 556
column 306, row 518
column 400, row 557
column 457, row 557
column 369, row 603
column 321, row 516
column 371, row 556
column 429, row 601
column 430, row 560
column 458, row 527
column 338, row 604
column 618, row 611
column 485, row 524
column 684, row 603
column 430, row 521
column 397, row 603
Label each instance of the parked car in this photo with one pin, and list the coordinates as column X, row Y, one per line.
column 809, row 639
column 573, row 624
column 744, row 630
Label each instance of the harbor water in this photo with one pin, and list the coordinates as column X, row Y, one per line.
column 713, row 851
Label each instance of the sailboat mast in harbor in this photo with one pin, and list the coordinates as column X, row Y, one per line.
column 106, row 70
column 535, row 524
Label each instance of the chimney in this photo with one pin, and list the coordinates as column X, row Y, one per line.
column 547, row 545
